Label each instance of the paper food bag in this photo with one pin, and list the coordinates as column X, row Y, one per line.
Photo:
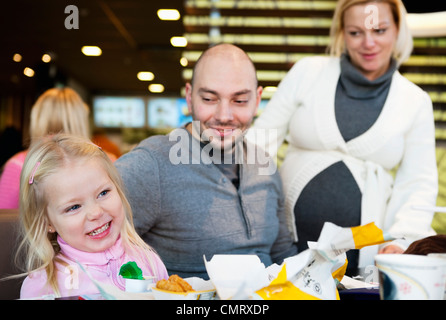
column 236, row 276
column 312, row 274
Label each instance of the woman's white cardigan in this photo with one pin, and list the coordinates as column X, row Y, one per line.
column 302, row 111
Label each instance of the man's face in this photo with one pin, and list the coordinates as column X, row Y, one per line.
column 223, row 99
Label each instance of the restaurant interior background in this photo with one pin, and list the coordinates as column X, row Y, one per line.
column 41, row 47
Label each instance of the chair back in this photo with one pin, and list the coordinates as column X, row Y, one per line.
column 9, row 224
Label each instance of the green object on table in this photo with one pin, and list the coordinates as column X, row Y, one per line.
column 130, row 270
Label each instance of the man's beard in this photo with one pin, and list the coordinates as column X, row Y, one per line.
column 222, row 140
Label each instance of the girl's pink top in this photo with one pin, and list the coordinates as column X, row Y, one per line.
column 10, row 181
column 103, row 267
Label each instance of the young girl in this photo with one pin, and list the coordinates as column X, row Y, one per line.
column 73, row 210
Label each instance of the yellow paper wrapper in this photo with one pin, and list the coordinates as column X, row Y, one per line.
column 314, row 273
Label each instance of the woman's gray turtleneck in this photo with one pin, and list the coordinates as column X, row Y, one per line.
column 359, row 101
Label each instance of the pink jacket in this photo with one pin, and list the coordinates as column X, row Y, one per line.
column 102, row 266
column 10, row 181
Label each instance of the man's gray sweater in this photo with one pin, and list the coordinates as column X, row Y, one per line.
column 186, row 208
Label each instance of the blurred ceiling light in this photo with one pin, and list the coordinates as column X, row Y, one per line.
column 178, row 41
column 168, row 14
column 46, row 58
column 28, row 72
column 93, row 51
column 270, row 75
column 266, row 95
column 145, row 76
column 432, row 24
column 156, row 88
column 270, row 89
column 262, row 75
column 184, row 62
column 261, row 39
column 262, row 4
column 257, row 22
column 17, row 57
column 262, row 57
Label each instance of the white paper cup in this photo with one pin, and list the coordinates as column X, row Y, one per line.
column 437, row 255
column 441, row 256
column 411, row 277
column 139, row 285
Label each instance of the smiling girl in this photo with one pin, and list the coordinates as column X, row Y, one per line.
column 73, row 210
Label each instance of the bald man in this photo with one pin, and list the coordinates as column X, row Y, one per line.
column 197, row 190
column 223, row 96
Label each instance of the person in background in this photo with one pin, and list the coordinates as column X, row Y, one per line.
column 56, row 110
column 349, row 119
column 193, row 192
column 435, row 244
column 74, row 211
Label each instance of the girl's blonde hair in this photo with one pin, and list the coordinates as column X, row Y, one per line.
column 404, row 42
column 59, row 110
column 41, row 247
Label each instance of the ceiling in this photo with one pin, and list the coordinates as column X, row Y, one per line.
column 130, row 34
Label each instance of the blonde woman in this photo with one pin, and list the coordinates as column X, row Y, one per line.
column 73, row 210
column 350, row 118
column 56, row 110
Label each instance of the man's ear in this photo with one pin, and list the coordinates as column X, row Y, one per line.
column 259, row 97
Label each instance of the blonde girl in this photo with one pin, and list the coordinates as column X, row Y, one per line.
column 73, row 209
